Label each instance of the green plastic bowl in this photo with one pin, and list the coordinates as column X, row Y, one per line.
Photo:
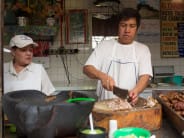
column 176, row 79
column 73, row 100
column 131, row 131
column 12, row 128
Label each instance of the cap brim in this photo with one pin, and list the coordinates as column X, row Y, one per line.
column 32, row 43
column 35, row 44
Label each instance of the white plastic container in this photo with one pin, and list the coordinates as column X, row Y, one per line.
column 113, row 126
column 22, row 21
column 50, row 21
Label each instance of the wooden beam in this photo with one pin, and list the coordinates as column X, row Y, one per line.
column 1, row 64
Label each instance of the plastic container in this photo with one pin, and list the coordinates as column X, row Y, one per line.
column 132, row 131
column 22, row 21
column 50, row 21
column 113, row 126
column 176, row 79
column 73, row 100
column 12, row 128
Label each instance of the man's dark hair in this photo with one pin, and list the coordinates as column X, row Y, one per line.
column 128, row 13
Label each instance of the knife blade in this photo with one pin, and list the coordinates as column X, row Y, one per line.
column 121, row 93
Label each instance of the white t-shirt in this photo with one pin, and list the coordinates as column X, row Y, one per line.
column 32, row 77
column 104, row 51
column 124, row 63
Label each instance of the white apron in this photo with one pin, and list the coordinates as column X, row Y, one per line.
column 123, row 71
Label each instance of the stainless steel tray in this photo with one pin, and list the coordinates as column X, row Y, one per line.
column 173, row 117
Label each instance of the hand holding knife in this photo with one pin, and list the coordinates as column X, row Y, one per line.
column 107, row 82
column 121, row 93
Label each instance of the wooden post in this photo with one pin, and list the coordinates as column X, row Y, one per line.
column 1, row 64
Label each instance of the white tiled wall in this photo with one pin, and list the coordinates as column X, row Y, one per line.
column 73, row 65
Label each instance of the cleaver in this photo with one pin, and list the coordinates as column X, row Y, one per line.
column 121, row 93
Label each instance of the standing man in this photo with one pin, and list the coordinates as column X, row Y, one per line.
column 124, row 62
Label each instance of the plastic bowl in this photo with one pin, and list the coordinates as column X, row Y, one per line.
column 83, row 133
column 12, row 128
column 176, row 79
column 131, row 132
column 72, row 100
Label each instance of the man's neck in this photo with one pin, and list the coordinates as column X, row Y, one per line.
column 18, row 68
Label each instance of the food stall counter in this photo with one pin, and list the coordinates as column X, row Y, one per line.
column 166, row 131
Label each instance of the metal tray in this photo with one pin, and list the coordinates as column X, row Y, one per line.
column 173, row 117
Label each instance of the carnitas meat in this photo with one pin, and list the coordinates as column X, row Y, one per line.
column 178, row 106
column 174, row 100
column 119, row 104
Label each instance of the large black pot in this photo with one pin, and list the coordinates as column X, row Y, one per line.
column 34, row 117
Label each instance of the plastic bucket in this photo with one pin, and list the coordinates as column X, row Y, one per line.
column 132, row 132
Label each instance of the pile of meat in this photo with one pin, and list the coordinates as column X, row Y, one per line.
column 118, row 104
column 174, row 100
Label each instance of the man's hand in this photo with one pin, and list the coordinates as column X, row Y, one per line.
column 133, row 94
column 140, row 86
column 107, row 82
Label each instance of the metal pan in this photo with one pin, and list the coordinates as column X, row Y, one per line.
column 173, row 117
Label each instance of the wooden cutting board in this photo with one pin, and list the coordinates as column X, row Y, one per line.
column 149, row 118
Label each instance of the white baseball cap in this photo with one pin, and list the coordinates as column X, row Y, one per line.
column 21, row 41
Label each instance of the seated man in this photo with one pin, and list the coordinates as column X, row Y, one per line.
column 21, row 73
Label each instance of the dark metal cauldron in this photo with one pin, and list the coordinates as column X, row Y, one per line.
column 37, row 118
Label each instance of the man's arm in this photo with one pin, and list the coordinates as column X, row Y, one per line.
column 142, row 83
column 140, row 86
column 92, row 72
